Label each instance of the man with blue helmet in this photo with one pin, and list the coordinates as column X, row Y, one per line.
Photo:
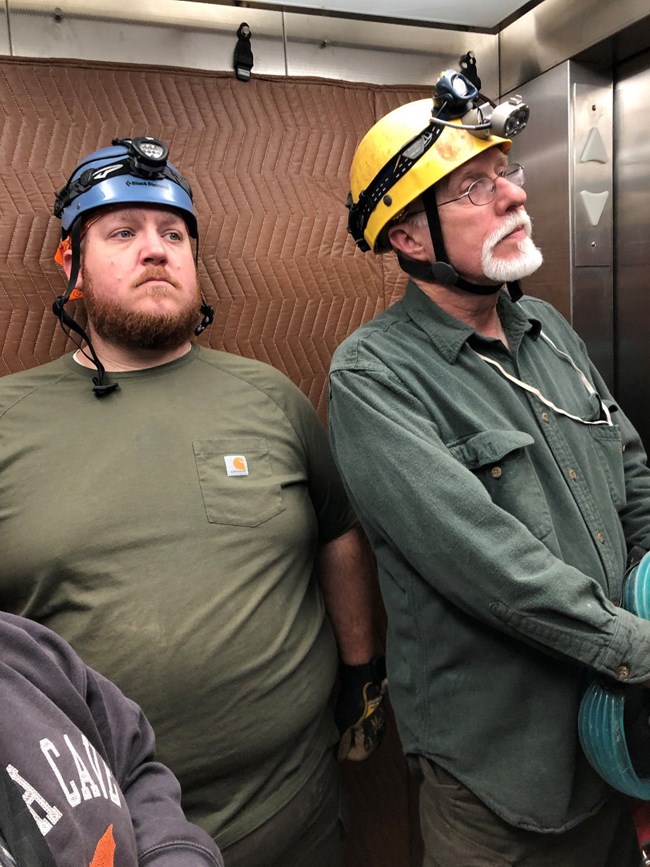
column 132, row 172
column 181, row 522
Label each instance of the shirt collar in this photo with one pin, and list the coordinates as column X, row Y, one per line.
column 449, row 334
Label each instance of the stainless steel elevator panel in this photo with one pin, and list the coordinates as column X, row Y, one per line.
column 632, row 250
column 567, row 151
column 543, row 149
column 555, row 31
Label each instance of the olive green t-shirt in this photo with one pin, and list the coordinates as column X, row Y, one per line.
column 169, row 531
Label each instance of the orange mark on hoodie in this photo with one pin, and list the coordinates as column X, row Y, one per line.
column 105, row 851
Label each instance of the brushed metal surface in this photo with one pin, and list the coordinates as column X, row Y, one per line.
column 384, row 53
column 556, row 30
column 203, row 36
column 5, row 42
column 593, row 315
column 576, row 276
column 632, row 217
column 543, row 149
column 149, row 32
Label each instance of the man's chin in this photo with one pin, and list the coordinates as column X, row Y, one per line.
column 145, row 330
column 515, row 267
column 163, row 305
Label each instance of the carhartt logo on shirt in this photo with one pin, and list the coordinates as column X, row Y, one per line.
column 236, row 465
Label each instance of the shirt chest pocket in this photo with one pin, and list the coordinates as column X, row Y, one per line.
column 609, row 457
column 237, row 481
column 500, row 459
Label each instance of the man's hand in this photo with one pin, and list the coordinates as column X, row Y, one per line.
column 359, row 713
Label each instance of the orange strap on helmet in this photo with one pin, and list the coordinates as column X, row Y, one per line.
column 64, row 245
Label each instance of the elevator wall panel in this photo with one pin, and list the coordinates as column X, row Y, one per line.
column 632, row 249
column 567, row 151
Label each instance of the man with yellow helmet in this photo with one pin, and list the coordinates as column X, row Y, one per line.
column 501, row 489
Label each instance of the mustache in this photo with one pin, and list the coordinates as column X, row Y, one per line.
column 509, row 224
column 155, row 272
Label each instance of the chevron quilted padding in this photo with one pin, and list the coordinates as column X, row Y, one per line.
column 268, row 161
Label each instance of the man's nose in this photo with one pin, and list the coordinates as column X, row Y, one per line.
column 509, row 196
column 153, row 247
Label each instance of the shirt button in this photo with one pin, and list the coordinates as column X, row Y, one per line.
column 623, row 672
column 573, row 475
column 623, row 447
column 601, row 537
column 495, row 472
column 545, row 416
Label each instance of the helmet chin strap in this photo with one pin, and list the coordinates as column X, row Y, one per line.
column 441, row 271
column 100, row 387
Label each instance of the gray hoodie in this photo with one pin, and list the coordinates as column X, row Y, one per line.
column 76, row 766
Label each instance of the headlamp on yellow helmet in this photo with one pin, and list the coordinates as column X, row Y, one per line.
column 416, row 145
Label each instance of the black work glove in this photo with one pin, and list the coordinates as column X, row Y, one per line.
column 359, row 712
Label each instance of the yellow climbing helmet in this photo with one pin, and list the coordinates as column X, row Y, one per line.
column 402, row 155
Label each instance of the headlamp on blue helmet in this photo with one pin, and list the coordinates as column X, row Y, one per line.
column 149, row 154
column 130, row 172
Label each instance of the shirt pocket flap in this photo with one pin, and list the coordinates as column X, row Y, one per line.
column 238, row 482
column 489, row 447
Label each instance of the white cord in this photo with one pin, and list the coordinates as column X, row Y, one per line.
column 538, row 394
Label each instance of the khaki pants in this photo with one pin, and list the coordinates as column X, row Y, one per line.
column 460, row 831
column 307, row 832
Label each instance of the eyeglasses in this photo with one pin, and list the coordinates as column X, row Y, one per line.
column 483, row 190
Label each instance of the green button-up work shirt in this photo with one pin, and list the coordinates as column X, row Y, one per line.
column 501, row 529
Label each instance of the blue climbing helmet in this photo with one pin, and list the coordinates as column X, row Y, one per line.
column 613, row 722
column 133, row 171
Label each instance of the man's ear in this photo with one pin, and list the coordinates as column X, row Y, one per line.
column 406, row 239
column 67, row 267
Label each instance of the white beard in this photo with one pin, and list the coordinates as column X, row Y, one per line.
column 513, row 268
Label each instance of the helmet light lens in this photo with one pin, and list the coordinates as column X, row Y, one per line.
column 509, row 118
column 152, row 149
column 148, row 154
column 453, row 94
